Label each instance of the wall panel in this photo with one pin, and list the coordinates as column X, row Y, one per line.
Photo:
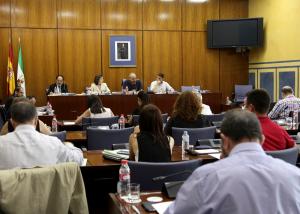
column 39, row 48
column 162, row 15
column 121, row 14
column 162, row 53
column 4, row 35
column 200, row 64
column 196, row 14
column 114, row 76
column 79, row 57
column 4, row 13
column 33, row 13
column 233, row 9
column 79, row 14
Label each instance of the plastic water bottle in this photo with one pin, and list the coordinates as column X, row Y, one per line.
column 54, row 124
column 122, row 122
column 124, row 180
column 185, row 142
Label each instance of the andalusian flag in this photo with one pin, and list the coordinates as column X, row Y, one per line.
column 11, row 84
column 20, row 72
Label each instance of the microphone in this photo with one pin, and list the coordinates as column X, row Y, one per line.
column 161, row 178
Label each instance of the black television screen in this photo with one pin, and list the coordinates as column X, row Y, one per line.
column 235, row 33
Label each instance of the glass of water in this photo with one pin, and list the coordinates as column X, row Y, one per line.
column 134, row 193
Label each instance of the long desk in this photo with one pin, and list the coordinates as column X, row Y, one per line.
column 69, row 107
column 101, row 177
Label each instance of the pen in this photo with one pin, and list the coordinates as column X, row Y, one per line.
column 135, row 209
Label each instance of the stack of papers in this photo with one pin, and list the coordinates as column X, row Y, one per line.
column 206, row 151
column 116, row 155
column 161, row 207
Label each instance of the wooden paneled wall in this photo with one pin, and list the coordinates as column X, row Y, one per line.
column 71, row 37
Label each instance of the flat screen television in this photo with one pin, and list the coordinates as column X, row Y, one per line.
column 235, row 33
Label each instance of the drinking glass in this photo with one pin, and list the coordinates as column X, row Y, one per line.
column 134, row 193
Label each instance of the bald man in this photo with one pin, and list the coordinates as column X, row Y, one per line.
column 132, row 83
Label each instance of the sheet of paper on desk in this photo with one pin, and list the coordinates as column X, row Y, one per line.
column 161, row 207
column 206, row 151
column 84, row 162
column 216, row 155
column 69, row 123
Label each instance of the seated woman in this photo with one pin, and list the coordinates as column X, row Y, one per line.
column 142, row 100
column 8, row 126
column 149, row 143
column 186, row 113
column 95, row 110
column 98, row 86
column 205, row 108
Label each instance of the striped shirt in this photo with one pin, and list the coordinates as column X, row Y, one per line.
column 283, row 107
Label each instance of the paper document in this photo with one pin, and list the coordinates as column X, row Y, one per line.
column 84, row 162
column 161, row 207
column 69, row 123
column 206, row 151
column 216, row 155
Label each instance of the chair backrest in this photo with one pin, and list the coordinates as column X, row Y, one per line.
column 289, row 155
column 214, row 117
column 144, row 172
column 190, row 88
column 107, row 121
column 240, row 92
column 99, row 139
column 194, row 133
column 120, row 146
column 60, row 135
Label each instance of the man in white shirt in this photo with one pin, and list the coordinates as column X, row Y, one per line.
column 26, row 148
column 159, row 86
column 246, row 181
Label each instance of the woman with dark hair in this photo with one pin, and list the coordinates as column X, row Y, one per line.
column 149, row 143
column 98, row 86
column 142, row 100
column 186, row 113
column 95, row 110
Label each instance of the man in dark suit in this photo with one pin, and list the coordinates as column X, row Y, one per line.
column 58, row 87
column 132, row 84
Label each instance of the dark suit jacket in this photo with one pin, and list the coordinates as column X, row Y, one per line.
column 64, row 88
column 138, row 85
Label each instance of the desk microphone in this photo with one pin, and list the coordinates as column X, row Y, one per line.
column 162, row 178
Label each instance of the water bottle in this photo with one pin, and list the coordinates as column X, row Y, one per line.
column 124, row 180
column 54, row 124
column 185, row 142
column 122, row 122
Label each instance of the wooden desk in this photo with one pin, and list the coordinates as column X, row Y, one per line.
column 118, row 206
column 69, row 107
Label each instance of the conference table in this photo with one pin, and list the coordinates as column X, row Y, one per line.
column 69, row 107
column 101, row 176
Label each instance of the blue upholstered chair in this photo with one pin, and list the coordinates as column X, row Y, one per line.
column 60, row 135
column 215, row 117
column 107, row 121
column 144, row 172
column 98, row 139
column 194, row 133
column 289, row 155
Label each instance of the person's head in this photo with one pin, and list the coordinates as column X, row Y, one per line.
column 150, row 121
column 143, row 99
column 258, row 101
column 22, row 113
column 286, row 91
column 98, row 79
column 95, row 104
column 132, row 78
column 19, row 92
column 187, row 106
column 239, row 126
column 160, row 77
column 32, row 99
column 59, row 80
column 200, row 99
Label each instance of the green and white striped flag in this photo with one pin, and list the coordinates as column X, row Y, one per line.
column 20, row 72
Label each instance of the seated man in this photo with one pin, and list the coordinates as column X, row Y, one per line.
column 258, row 102
column 159, row 86
column 58, row 87
column 288, row 103
column 247, row 181
column 25, row 147
column 132, row 84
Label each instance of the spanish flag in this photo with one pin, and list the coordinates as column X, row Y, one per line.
column 11, row 84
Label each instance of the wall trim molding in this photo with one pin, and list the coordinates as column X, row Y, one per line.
column 273, row 62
